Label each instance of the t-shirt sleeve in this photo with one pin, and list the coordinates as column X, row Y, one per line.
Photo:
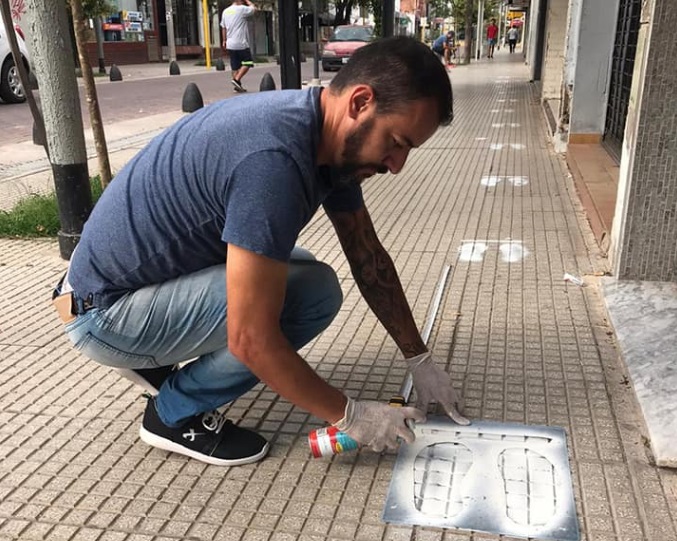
column 266, row 205
column 348, row 199
column 248, row 11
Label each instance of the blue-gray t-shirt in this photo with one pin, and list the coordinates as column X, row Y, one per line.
column 241, row 171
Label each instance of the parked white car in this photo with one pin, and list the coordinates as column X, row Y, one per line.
column 11, row 90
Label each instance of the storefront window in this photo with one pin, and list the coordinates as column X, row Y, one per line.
column 146, row 8
column 186, row 25
column 129, row 23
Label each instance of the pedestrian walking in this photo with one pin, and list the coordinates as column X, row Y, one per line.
column 492, row 37
column 235, row 39
column 512, row 36
column 190, row 255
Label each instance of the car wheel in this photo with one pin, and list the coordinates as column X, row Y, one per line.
column 11, row 90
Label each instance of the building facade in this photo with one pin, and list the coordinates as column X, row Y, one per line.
column 137, row 32
column 609, row 92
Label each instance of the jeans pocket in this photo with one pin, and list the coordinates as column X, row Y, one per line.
column 109, row 355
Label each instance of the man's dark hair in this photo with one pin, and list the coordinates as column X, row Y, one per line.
column 399, row 70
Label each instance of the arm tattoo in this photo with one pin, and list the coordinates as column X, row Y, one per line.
column 377, row 279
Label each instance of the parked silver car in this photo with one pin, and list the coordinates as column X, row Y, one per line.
column 11, row 90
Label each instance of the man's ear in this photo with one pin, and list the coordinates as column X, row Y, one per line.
column 361, row 100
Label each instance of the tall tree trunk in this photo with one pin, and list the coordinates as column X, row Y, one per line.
column 53, row 64
column 468, row 30
column 377, row 10
column 343, row 10
column 90, row 92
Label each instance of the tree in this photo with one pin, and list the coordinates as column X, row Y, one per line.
column 465, row 14
column 376, row 9
column 343, row 9
column 97, row 9
column 468, row 29
column 441, row 8
column 52, row 62
column 92, row 9
column 95, row 120
column 459, row 7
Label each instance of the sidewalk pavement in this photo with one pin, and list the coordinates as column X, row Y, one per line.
column 487, row 195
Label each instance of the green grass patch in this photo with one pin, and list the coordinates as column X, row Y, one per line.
column 37, row 215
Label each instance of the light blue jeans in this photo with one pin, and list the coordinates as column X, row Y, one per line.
column 185, row 318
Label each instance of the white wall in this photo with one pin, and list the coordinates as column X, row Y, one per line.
column 534, row 10
column 125, row 5
column 575, row 9
column 556, row 30
column 596, row 35
column 19, row 16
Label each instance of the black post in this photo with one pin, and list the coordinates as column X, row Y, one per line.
column 290, row 67
column 388, row 18
column 74, row 196
column 540, row 39
column 316, row 39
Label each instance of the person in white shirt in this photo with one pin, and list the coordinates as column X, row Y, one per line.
column 235, row 39
column 513, row 34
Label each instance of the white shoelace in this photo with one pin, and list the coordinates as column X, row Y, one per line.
column 214, row 421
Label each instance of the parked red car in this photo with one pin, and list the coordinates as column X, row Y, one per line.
column 343, row 43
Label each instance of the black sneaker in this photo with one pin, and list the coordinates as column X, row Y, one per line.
column 238, row 86
column 208, row 437
column 151, row 379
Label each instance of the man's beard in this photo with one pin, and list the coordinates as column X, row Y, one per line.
column 345, row 175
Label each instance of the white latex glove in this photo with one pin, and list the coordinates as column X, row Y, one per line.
column 433, row 384
column 378, row 425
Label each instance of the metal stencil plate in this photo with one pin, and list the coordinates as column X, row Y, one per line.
column 490, row 477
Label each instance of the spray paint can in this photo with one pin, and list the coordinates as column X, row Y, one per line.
column 330, row 441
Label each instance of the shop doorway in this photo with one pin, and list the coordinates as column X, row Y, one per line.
column 622, row 67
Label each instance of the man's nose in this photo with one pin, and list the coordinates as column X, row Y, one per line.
column 396, row 160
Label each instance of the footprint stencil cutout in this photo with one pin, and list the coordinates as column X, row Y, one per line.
column 492, row 180
column 472, row 251
column 439, row 470
column 512, row 252
column 529, row 486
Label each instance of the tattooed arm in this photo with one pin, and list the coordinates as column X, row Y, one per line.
column 376, row 276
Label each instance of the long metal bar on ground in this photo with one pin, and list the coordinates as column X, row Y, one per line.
column 407, row 385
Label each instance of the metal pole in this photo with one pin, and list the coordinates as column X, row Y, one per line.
column 388, row 25
column 98, row 28
column 170, row 31
column 541, row 22
column 205, row 31
column 290, row 67
column 480, row 29
column 316, row 49
column 500, row 25
column 408, row 384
